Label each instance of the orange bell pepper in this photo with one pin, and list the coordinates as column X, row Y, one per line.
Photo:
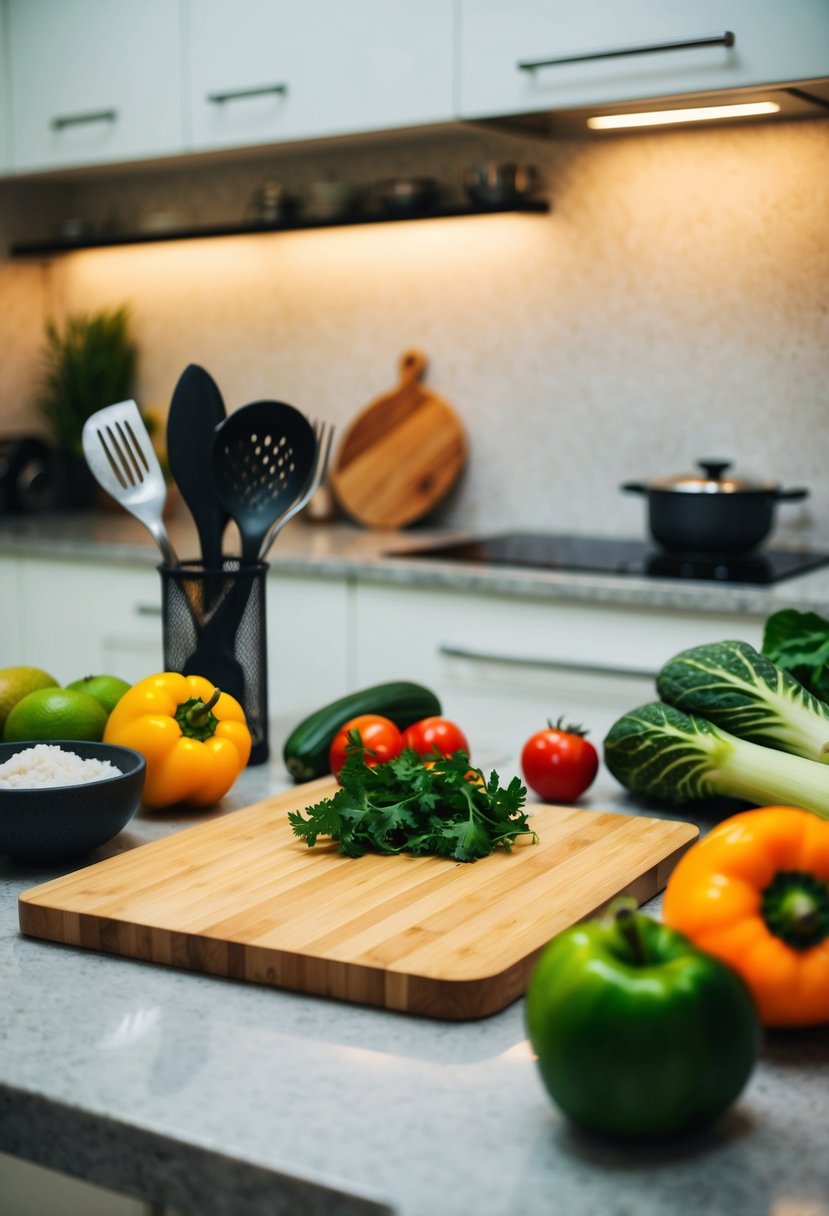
column 194, row 738
column 755, row 893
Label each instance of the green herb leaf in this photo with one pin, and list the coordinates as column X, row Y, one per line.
column 408, row 805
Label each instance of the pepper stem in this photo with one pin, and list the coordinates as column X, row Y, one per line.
column 201, row 712
column 795, row 906
column 622, row 914
column 196, row 717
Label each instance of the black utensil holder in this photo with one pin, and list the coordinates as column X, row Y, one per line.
column 213, row 625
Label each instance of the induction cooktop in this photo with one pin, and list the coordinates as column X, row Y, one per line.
column 607, row 555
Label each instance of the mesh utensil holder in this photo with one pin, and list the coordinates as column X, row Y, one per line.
column 213, row 625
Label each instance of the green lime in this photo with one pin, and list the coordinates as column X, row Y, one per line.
column 56, row 713
column 108, row 690
column 15, row 683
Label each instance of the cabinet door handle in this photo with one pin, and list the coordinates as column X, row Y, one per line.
column 148, row 609
column 725, row 38
column 61, row 121
column 592, row 669
column 264, row 90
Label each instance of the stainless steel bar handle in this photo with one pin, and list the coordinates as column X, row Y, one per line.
column 725, row 38
column 148, row 609
column 592, row 669
column 264, row 90
column 61, row 121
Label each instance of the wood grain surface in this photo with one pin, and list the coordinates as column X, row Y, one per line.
column 241, row 896
column 401, row 455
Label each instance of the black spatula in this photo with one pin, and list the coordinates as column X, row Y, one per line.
column 196, row 410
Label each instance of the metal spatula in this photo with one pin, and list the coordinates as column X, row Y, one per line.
column 122, row 459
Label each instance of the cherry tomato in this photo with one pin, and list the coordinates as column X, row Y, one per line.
column 431, row 734
column 558, row 763
column 381, row 739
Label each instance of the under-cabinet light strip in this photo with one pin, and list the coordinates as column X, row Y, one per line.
column 655, row 118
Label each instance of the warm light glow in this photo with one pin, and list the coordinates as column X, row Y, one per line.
column 656, row 118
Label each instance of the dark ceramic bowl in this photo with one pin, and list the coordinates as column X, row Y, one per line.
column 50, row 823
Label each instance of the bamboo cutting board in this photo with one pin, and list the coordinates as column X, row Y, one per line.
column 241, row 896
column 401, row 455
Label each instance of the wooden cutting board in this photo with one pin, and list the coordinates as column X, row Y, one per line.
column 401, row 455
column 241, row 896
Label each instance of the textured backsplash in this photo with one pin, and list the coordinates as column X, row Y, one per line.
column 673, row 305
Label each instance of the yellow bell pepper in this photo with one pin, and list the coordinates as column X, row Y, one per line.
column 755, row 893
column 194, row 738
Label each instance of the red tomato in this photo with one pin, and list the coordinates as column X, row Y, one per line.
column 381, row 740
column 430, row 734
column 558, row 763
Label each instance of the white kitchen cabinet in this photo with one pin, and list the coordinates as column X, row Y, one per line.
column 86, row 618
column 529, row 56
column 5, row 95
column 10, row 614
column 264, row 71
column 30, row 1190
column 525, row 660
column 94, row 81
column 75, row 617
column 310, row 644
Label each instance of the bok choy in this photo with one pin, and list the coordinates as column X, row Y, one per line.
column 661, row 752
column 742, row 691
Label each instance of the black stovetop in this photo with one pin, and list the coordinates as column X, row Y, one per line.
column 606, row 555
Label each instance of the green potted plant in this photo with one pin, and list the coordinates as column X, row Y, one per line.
column 89, row 362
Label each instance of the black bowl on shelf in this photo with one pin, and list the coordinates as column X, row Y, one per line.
column 56, row 822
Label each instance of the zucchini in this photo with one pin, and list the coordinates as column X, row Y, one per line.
column 306, row 748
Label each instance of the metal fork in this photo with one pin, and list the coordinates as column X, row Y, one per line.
column 325, row 438
column 122, row 459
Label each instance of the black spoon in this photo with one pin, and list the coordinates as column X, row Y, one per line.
column 196, row 409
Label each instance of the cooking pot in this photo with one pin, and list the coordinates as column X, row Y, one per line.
column 710, row 512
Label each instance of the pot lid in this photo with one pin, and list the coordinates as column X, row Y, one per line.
column 712, row 479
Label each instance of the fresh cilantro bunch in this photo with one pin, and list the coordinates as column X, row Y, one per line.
column 416, row 805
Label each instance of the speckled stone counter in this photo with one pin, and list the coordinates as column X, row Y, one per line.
column 341, row 550
column 230, row 1099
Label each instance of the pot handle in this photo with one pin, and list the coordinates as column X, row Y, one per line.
column 634, row 487
column 791, row 495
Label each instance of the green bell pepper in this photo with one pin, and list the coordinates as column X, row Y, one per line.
column 638, row 1033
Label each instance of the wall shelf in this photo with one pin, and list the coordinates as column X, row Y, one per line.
column 57, row 247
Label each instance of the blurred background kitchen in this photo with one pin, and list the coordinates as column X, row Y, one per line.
column 672, row 304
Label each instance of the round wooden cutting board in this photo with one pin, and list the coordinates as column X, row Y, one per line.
column 401, row 455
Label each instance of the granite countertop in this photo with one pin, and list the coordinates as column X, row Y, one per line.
column 231, row 1099
column 341, row 550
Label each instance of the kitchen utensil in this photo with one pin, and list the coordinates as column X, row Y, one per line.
column 711, row 512
column 48, row 823
column 407, row 195
column 325, row 437
column 241, row 896
column 122, row 459
column 196, row 409
column 494, row 183
column 401, row 455
column 262, row 456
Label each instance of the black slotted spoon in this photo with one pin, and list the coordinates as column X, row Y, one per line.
column 262, row 457
column 263, row 454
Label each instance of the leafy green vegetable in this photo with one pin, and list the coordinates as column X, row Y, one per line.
column 799, row 643
column 407, row 805
column 660, row 752
column 735, row 687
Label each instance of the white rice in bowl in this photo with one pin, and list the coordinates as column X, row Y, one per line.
column 45, row 765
